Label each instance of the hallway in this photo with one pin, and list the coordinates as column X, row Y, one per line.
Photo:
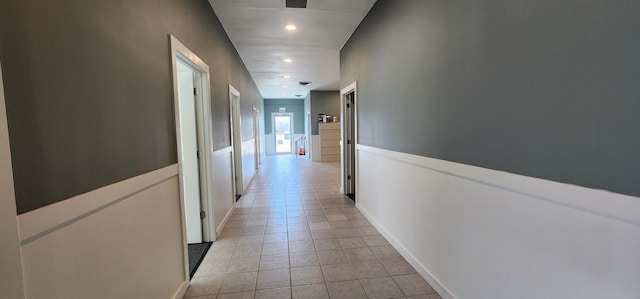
column 293, row 235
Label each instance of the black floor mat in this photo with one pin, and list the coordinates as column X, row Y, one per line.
column 352, row 196
column 196, row 254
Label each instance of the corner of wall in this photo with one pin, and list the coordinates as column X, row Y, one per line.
column 11, row 284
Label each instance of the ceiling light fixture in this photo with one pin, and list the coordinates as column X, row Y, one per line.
column 290, row 27
column 284, row 86
column 288, row 60
column 286, row 76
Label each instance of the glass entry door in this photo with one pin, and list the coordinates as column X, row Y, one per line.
column 282, row 131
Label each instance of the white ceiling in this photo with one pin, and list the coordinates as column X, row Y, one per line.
column 256, row 28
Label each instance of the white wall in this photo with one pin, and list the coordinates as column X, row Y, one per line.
column 479, row 233
column 10, row 261
column 124, row 240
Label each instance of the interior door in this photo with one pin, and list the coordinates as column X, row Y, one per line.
column 236, row 141
column 189, row 148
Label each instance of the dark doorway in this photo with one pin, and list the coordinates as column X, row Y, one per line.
column 350, row 144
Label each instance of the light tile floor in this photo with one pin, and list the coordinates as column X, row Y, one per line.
column 293, row 235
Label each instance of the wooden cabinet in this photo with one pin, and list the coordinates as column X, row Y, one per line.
column 329, row 141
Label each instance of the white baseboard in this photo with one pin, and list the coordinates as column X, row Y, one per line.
column 225, row 220
column 411, row 259
column 182, row 290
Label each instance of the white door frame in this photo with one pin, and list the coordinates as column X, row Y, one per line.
column 203, row 115
column 235, row 121
column 256, row 136
column 273, row 131
column 343, row 131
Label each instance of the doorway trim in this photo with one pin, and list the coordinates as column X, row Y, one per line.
column 256, row 137
column 203, row 123
column 235, row 122
column 273, row 131
column 343, row 133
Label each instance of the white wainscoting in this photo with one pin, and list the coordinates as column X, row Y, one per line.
column 479, row 233
column 223, row 200
column 270, row 143
column 248, row 162
column 119, row 241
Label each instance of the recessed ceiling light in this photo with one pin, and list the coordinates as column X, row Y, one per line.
column 286, row 76
column 284, row 86
column 288, row 60
column 290, row 27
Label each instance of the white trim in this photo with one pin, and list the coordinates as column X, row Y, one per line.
column 256, row 137
column 236, row 145
column 567, row 195
column 343, row 92
column 233, row 91
column 182, row 290
column 37, row 223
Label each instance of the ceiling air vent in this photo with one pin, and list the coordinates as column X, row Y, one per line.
column 298, row 95
column 304, row 83
column 295, row 3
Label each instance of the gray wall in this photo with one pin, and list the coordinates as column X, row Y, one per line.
column 545, row 88
column 327, row 102
column 89, row 94
column 295, row 106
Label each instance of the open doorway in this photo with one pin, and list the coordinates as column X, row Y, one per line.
column 193, row 139
column 349, row 140
column 282, row 131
